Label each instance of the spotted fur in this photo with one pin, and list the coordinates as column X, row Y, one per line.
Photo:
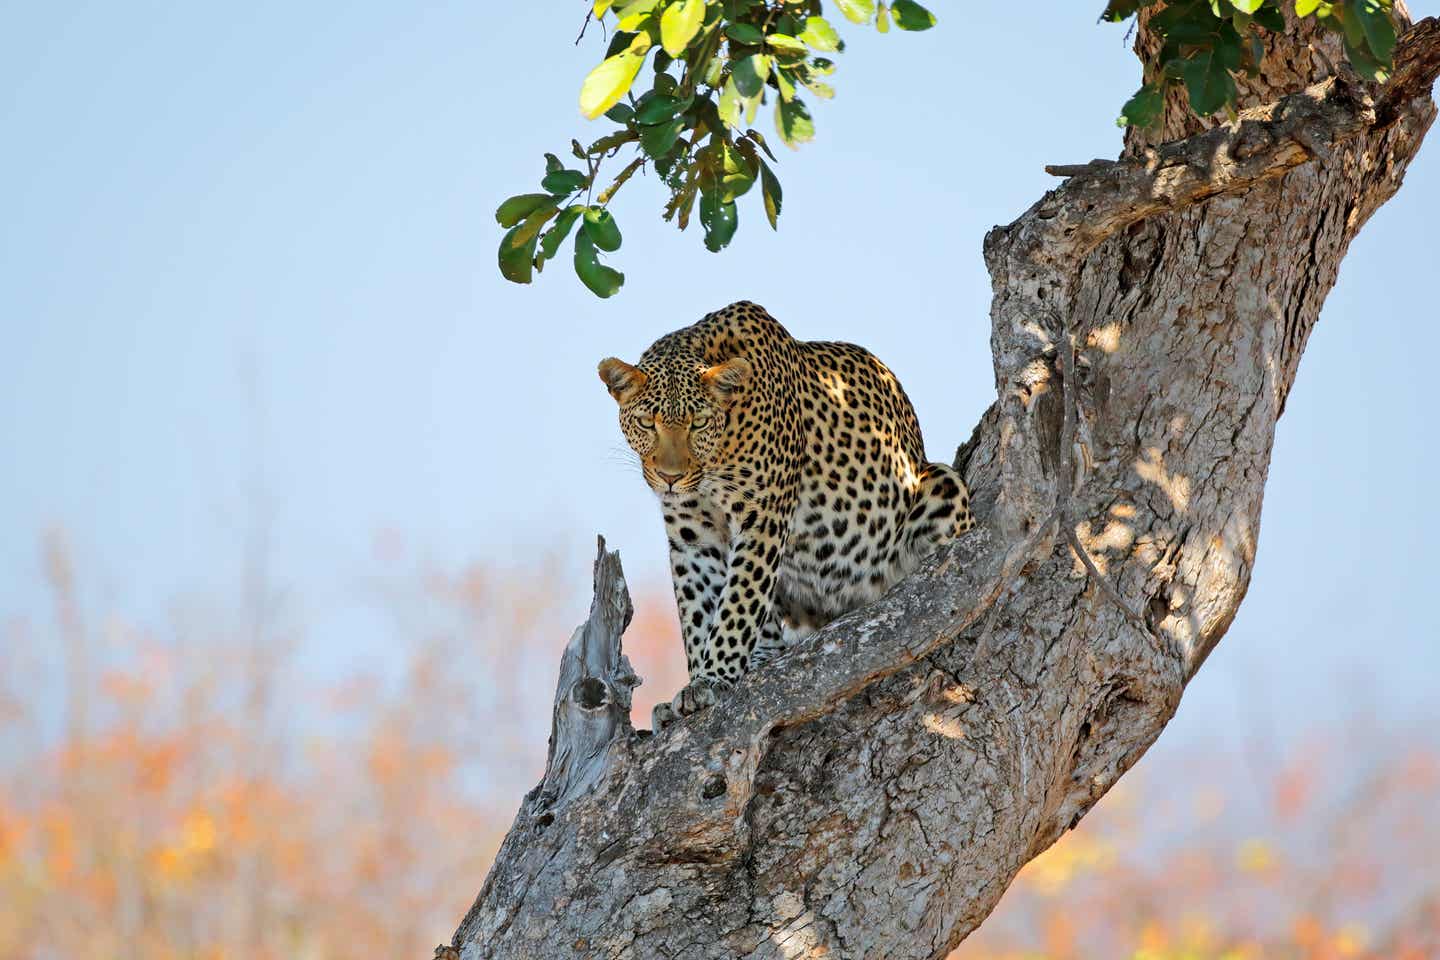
column 792, row 477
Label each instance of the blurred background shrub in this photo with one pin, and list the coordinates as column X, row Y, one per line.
column 183, row 791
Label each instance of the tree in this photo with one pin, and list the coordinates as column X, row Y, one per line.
column 872, row 793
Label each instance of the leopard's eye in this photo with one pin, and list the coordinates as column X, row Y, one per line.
column 646, row 422
column 699, row 423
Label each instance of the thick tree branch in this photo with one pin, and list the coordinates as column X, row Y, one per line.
column 872, row 793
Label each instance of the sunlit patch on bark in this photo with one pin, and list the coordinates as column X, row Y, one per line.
column 1107, row 338
column 945, row 726
column 1173, row 485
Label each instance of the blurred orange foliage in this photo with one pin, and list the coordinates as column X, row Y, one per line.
column 194, row 796
column 1311, row 852
column 194, row 793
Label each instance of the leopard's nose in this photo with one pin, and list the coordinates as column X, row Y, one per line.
column 669, row 478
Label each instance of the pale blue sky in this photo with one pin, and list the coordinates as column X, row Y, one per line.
column 257, row 241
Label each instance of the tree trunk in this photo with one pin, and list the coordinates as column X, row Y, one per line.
column 873, row 793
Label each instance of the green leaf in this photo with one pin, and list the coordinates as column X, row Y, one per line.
column 620, row 113
column 1270, row 18
column 822, row 90
column 679, row 24
column 1208, row 81
column 720, row 218
column 551, row 240
column 602, row 281
column 820, row 35
column 909, row 15
column 1304, row 8
column 784, row 83
column 1365, row 64
column 657, row 140
column 564, row 182
column 1379, row 29
column 1350, row 23
column 770, row 191
column 608, row 82
column 738, row 170
column 814, row 85
column 602, row 229
column 857, row 11
column 736, row 185
column 666, row 161
column 747, row 75
column 552, row 163
column 659, row 108
column 517, row 264
column 729, row 106
column 787, row 45
column 713, row 71
column 746, row 33
column 635, row 13
column 882, row 18
column 793, row 123
column 1188, row 22
column 515, row 209
column 1143, row 109
column 528, row 230
column 610, row 141
column 619, row 42
column 1247, row 6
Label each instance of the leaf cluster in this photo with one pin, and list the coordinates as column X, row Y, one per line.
column 537, row 223
column 1206, row 44
column 714, row 64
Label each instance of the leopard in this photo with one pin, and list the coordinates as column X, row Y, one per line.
column 793, row 483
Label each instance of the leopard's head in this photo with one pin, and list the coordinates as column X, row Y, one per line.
column 675, row 410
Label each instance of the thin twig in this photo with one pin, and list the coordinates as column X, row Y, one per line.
column 593, row 166
column 620, row 179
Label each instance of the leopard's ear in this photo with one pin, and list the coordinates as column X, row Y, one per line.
column 725, row 381
column 623, row 381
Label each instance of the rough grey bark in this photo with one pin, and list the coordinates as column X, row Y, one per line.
column 874, row 792
column 592, row 697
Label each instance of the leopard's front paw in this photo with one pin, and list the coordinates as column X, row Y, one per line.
column 698, row 694
column 661, row 716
